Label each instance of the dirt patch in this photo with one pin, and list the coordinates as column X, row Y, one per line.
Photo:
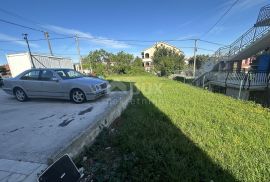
column 117, row 122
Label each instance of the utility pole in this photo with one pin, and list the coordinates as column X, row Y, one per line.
column 49, row 43
column 194, row 58
column 26, row 40
column 79, row 52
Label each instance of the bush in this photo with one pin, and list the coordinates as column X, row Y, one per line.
column 104, row 63
column 167, row 60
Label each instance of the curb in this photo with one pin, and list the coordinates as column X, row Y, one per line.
column 87, row 137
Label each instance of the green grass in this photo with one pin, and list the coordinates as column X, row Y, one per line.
column 175, row 132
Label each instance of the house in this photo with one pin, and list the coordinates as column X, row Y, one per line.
column 148, row 53
column 20, row 62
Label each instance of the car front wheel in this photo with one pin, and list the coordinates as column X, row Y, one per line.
column 77, row 96
column 20, row 95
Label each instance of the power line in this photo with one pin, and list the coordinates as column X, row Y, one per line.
column 18, row 16
column 134, row 40
column 13, row 40
column 10, row 50
column 42, row 39
column 150, row 41
column 210, row 42
column 223, row 15
column 126, row 40
column 210, row 50
column 23, row 26
column 29, row 20
column 55, row 38
column 123, row 40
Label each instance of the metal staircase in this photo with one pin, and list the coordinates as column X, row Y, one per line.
column 258, row 36
column 250, row 43
column 264, row 17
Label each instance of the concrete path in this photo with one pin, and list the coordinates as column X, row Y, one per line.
column 37, row 130
column 19, row 171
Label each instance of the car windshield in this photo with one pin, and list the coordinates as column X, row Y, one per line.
column 69, row 74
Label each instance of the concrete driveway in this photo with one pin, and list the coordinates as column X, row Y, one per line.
column 34, row 131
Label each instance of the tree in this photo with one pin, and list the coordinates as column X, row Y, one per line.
column 98, row 60
column 97, row 56
column 200, row 59
column 137, row 67
column 105, row 63
column 167, row 60
column 137, row 62
column 122, row 62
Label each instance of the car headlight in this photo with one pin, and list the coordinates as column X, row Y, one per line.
column 98, row 87
column 92, row 88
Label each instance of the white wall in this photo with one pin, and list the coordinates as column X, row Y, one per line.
column 21, row 62
column 44, row 61
column 18, row 63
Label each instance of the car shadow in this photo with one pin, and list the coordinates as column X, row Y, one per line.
column 145, row 145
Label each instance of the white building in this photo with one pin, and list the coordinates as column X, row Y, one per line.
column 148, row 53
column 20, row 62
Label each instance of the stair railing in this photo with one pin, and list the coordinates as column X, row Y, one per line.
column 260, row 29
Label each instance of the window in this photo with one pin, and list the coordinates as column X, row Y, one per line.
column 46, row 75
column 61, row 73
column 73, row 74
column 147, row 55
column 69, row 74
column 32, row 75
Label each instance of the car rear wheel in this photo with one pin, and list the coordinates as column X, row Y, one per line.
column 77, row 96
column 20, row 95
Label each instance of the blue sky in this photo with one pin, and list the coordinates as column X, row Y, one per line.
column 121, row 20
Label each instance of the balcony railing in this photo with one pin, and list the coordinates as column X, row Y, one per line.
column 247, row 80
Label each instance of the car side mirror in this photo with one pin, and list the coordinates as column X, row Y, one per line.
column 55, row 79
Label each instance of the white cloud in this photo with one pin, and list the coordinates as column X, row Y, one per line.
column 88, row 37
column 189, row 36
column 15, row 40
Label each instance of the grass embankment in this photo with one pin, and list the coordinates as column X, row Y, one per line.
column 176, row 132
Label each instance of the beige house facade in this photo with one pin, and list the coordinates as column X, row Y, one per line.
column 148, row 53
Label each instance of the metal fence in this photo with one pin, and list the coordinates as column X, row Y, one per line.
column 246, row 79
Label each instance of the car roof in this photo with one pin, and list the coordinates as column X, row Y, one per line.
column 51, row 69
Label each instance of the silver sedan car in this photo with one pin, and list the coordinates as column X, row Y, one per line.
column 55, row 83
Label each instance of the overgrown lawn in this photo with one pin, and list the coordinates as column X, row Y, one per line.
column 175, row 132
